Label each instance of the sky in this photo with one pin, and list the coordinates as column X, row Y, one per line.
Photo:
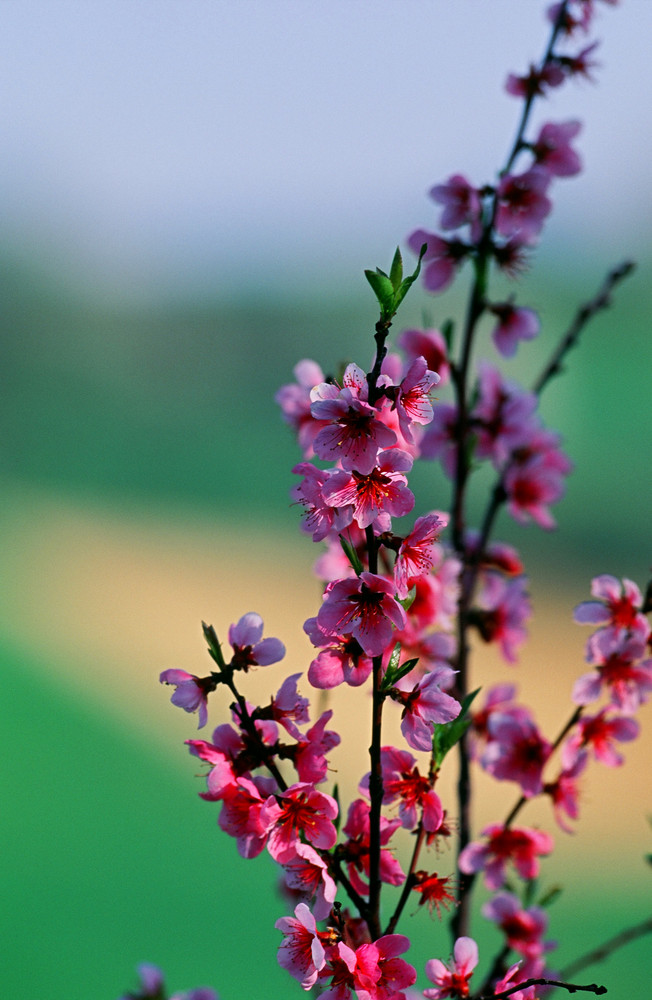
column 213, row 141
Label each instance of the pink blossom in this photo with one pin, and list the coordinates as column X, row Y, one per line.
column 402, row 781
column 523, row 928
column 504, row 415
column 418, row 552
column 413, row 403
column 552, row 149
column 364, row 608
column 241, row 814
column 453, row 980
column 440, row 438
column 354, row 434
column 599, row 733
column 516, row 751
column 424, row 705
column 582, row 63
column 515, row 323
column 515, row 975
column 628, row 681
column 295, row 403
column 249, row 647
column 617, row 606
column 341, row 661
column 380, row 974
column 309, row 756
column 522, row 204
column 441, row 259
column 429, row 344
column 520, row 845
column 301, row 952
column 435, row 891
column 191, row 692
column 355, row 850
column 499, row 698
column 289, row 707
column 306, row 872
column 565, row 794
column 301, row 809
column 536, row 82
column 384, row 489
column 503, row 609
column 319, row 517
column 462, row 202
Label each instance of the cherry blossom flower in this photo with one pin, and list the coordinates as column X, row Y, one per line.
column 617, row 606
column 380, row 974
column 364, row 608
column 628, row 681
column 288, row 707
column 341, row 661
column 504, row 416
column 439, row 440
column 413, row 403
column 306, row 872
column 516, row 751
column 249, row 647
column 434, row 891
column 319, row 517
column 515, row 975
column 536, row 82
column 520, row 845
column 552, row 148
column 522, row 204
column 301, row 809
column 453, row 980
column 565, row 794
column 402, row 781
column 354, row 434
column 384, row 489
column 191, row 692
column 424, row 705
column 499, row 698
column 599, row 733
column 503, row 608
column 462, row 203
column 515, row 323
column 355, row 850
column 418, row 552
column 429, row 344
column 241, row 814
column 309, row 754
column 441, row 259
column 523, row 928
column 301, row 952
column 295, row 403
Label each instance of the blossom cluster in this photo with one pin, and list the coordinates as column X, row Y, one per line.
column 402, row 597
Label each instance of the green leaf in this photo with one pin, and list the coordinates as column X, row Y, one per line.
column 382, row 288
column 407, row 283
column 405, row 668
column 396, row 271
column 549, row 897
column 447, row 332
column 351, row 555
column 338, row 818
column 214, row 647
column 407, row 602
column 447, row 734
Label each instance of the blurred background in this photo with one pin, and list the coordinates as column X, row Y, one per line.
column 190, row 192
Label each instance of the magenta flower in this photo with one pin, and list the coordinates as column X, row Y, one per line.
column 319, row 518
column 418, row 551
column 522, row 204
column 515, row 323
column 402, row 781
column 430, row 345
column 424, row 705
column 365, row 608
column 354, row 434
column 341, row 661
column 295, row 402
column 413, row 403
column 191, row 692
column 617, row 606
column 440, row 438
column 516, row 751
column 503, row 609
column 301, row 952
column 536, row 82
column 504, row 415
column 452, row 980
column 309, row 756
column 380, row 974
column 289, row 707
column 523, row 928
column 616, row 659
column 599, row 733
column 249, row 647
column 462, row 203
column 552, row 149
column 355, row 850
column 383, row 490
column 441, row 259
column 301, row 809
column 520, row 845
column 241, row 814
column 306, row 872
column 536, row 478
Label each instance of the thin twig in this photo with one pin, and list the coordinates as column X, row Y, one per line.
column 571, row 987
